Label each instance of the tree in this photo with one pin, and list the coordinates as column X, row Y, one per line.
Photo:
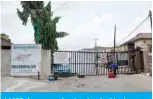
column 43, row 23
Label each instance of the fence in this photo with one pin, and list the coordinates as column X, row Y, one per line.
column 88, row 63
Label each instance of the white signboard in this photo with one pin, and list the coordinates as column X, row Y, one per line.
column 25, row 59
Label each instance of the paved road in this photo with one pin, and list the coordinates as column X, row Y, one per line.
column 138, row 82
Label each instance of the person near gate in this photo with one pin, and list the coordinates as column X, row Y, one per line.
column 110, row 73
column 115, row 67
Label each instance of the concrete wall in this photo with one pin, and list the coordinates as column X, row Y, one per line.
column 147, row 61
column 45, row 63
column 6, row 63
column 122, row 48
column 142, row 43
column 150, row 63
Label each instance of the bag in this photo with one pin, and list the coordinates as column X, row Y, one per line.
column 111, row 75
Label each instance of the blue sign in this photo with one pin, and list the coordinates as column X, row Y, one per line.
column 76, row 95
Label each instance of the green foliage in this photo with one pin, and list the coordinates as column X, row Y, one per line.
column 46, row 27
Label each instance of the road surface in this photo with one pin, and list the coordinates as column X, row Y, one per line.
column 137, row 82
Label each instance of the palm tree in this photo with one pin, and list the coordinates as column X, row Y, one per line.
column 43, row 23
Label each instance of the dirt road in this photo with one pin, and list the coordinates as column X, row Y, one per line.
column 139, row 82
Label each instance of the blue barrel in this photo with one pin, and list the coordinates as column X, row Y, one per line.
column 51, row 79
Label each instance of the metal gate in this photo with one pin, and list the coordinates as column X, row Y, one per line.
column 73, row 63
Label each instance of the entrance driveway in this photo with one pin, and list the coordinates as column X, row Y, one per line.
column 137, row 82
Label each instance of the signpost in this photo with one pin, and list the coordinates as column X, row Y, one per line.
column 25, row 59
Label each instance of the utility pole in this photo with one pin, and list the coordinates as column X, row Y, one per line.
column 96, row 56
column 150, row 15
column 114, row 38
column 114, row 43
column 95, row 41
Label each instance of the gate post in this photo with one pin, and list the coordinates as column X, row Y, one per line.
column 52, row 61
column 96, row 63
column 75, row 63
column 107, row 63
column 117, row 60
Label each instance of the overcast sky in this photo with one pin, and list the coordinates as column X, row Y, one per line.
column 84, row 21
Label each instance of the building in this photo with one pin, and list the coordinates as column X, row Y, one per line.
column 98, row 49
column 5, row 43
column 142, row 40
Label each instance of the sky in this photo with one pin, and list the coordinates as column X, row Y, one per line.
column 83, row 20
